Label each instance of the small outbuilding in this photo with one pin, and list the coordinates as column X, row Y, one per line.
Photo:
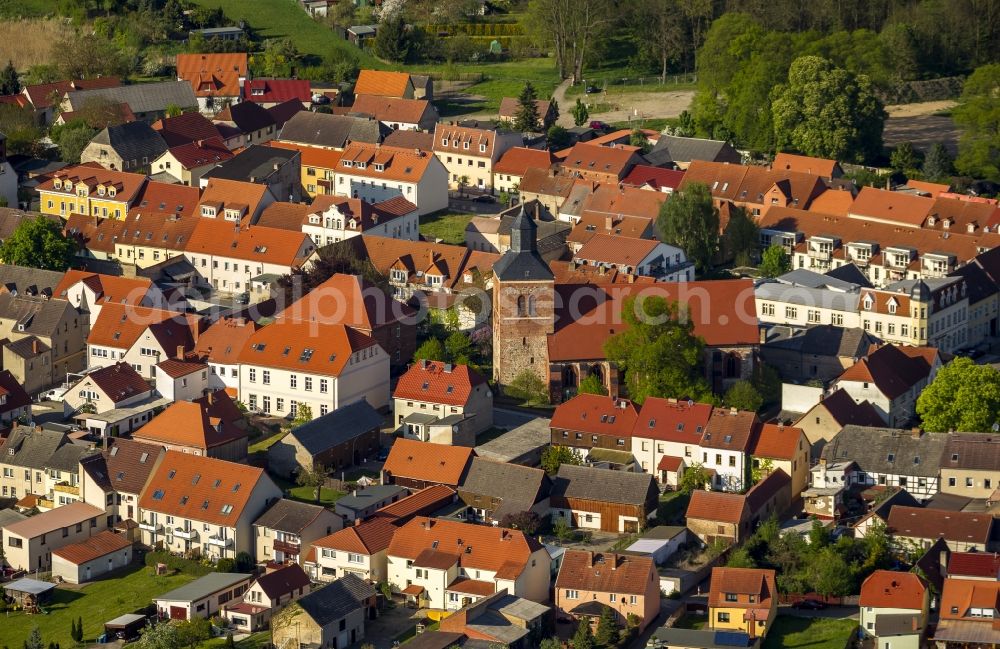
column 29, row 594
column 102, row 553
column 125, row 627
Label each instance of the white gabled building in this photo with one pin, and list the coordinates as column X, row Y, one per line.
column 335, row 218
column 376, row 173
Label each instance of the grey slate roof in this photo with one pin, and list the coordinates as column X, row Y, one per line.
column 33, row 315
column 850, row 273
column 671, row 148
column 518, row 487
column 522, row 262
column 248, row 116
column 703, row 638
column 141, row 97
column 363, row 498
column 900, row 497
column 253, row 164
column 603, row 485
column 871, row 448
column 333, row 602
column 132, row 141
column 807, row 296
column 288, row 516
column 336, row 131
column 203, row 586
column 978, row 283
column 22, row 279
column 25, row 347
column 67, row 457
column 337, row 427
column 11, row 217
column 33, row 449
column 821, row 340
column 8, row 516
column 514, row 443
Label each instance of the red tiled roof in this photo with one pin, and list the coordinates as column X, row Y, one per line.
column 961, row 527
column 890, row 369
column 276, row 90
column 742, row 581
column 97, row 546
column 259, row 244
column 283, row 581
column 119, row 381
column 892, row 589
column 14, row 392
column 655, row 177
column 41, row 95
column 368, row 538
column 845, row 410
column 804, row 164
column 176, row 368
column 617, row 250
column 418, row 503
column 391, row 109
column 777, row 441
column 510, row 105
column 974, row 564
column 605, row 572
column 126, row 185
column 121, row 325
column 224, row 339
column 438, row 382
column 201, row 153
column 185, row 128
column 616, row 160
column 672, row 420
column 716, row 506
column 965, row 594
column 515, row 161
column 305, row 346
column 107, row 288
column 312, row 156
column 731, row 429
column 382, row 82
column 669, row 463
column 476, row 547
column 596, row 414
column 893, row 207
column 348, row 300
column 204, row 423
column 434, row 463
column 213, row 75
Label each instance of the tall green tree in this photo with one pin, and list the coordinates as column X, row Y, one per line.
column 658, row 351
column 607, row 628
column 38, row 243
column 312, row 477
column 828, row 112
column 938, row 164
column 659, row 32
column 393, row 41
column 591, row 385
column 978, row 114
column 830, row 574
column 639, row 139
column 904, row 157
column 554, row 457
column 689, row 220
column 430, row 350
column 774, row 262
column 580, row 113
column 583, row 638
column 557, row 137
column 10, row 84
column 72, row 139
column 34, row 640
column 962, row 397
column 741, row 238
column 742, row 395
column 526, row 118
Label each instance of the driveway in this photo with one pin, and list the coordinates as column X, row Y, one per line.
column 508, row 419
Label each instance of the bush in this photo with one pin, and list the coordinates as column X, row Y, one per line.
column 180, row 564
column 225, row 565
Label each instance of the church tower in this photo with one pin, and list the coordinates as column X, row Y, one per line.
column 523, row 306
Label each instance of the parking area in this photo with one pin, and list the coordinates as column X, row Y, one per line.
column 390, row 624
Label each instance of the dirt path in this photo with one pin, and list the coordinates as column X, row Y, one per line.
column 641, row 105
column 920, row 125
column 920, row 109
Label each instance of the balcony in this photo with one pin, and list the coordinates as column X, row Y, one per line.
column 67, row 488
column 822, row 255
column 45, row 504
column 286, row 547
column 219, row 541
column 181, row 533
column 146, row 526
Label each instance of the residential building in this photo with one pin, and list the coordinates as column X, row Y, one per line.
column 363, row 503
column 326, row 367
column 271, row 92
column 114, row 478
column 55, row 324
column 493, row 233
column 278, row 169
column 453, row 401
column 815, row 352
column 968, row 614
column 89, row 559
column 234, row 201
column 216, row 79
column 654, row 178
column 970, row 465
column 90, row 190
column 494, row 490
column 603, row 499
column 680, row 152
column 187, row 163
column 830, row 415
column 785, row 448
column 510, row 168
column 90, row 291
column 376, row 173
column 209, row 426
column 892, row 603
column 203, row 506
column 186, row 128
column 510, row 106
column 44, row 97
column 276, row 588
column 447, row 565
column 469, row 154
column 744, row 600
column 245, row 123
column 590, row 581
column 183, row 378
column 754, row 188
column 138, row 336
column 890, row 457
column 132, row 146
column 220, row 345
column 822, row 167
column 337, row 440
column 731, row 518
column 654, row 259
column 504, row 619
column 147, row 101
column 726, row 447
column 962, row 531
column 601, row 163
column 15, row 403
column 29, row 544
column 358, row 550
column 319, row 166
column 396, row 113
column 286, row 531
column 418, row 465
column 331, row 616
column 588, row 421
column 107, row 388
column 891, row 378
column 333, row 132
column 385, row 84
column 666, row 437
column 204, row 597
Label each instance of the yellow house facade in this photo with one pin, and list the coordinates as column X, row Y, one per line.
column 744, row 600
column 89, row 190
column 319, row 166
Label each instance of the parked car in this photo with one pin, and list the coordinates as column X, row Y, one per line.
column 592, row 89
column 484, row 198
column 598, row 125
column 809, row 605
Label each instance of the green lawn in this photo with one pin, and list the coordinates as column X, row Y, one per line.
column 287, row 19
column 264, row 443
column 691, row 622
column 813, row 633
column 327, row 496
column 672, row 507
column 257, row 640
column 445, row 225
column 95, row 603
column 499, row 80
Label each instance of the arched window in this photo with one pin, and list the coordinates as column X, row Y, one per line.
column 521, row 307
column 733, row 366
column 531, row 306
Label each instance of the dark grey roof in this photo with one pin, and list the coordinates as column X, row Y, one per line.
column 27, row 347
column 977, row 281
column 67, row 457
column 132, row 141
column 527, row 437
column 333, row 602
column 335, row 131
column 522, row 262
column 200, row 588
column 366, row 497
column 142, row 97
column 949, row 502
column 10, row 218
column 8, row 516
column 900, row 497
column 671, row 148
column 247, row 116
column 436, row 640
column 892, row 624
column 33, row 449
column 704, row 638
column 604, row 485
column 254, row 164
column 888, row 450
column 25, row 280
column 850, row 273
column 518, row 487
column 337, row 427
column 289, row 516
column 821, row 340
column 33, row 315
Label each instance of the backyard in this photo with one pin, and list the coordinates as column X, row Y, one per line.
column 94, row 603
column 445, row 225
column 812, row 633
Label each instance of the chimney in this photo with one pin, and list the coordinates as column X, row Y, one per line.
column 180, row 352
column 357, row 522
column 210, row 397
column 614, row 562
column 447, row 368
column 590, row 559
column 732, row 411
column 34, row 346
column 916, row 432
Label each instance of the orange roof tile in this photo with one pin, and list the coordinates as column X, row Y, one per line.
column 716, row 506
column 125, row 185
column 305, row 346
column 672, row 420
column 777, row 441
column 804, row 164
column 960, row 527
column 97, row 546
column 235, row 192
column 472, row 547
column 224, row 340
column 368, row 538
column 419, row 503
column 201, row 488
column 437, row 382
column 108, row 288
column 892, row 589
column 959, row 596
column 260, row 244
column 392, row 109
column 615, row 249
column 382, row 82
column 283, row 216
column 347, row 300
column 119, row 381
column 605, row 572
column 213, row 75
column 120, row 325
column 312, row 156
column 586, row 157
column 891, row 207
column 517, row 160
column 742, row 581
column 890, row 369
column 204, row 423
column 595, row 413
column 434, row 463
column 397, row 164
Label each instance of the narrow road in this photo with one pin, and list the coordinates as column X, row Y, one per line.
column 565, row 106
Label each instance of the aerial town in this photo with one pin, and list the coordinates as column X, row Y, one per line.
column 500, row 324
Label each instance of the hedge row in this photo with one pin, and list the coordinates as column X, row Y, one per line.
column 477, row 29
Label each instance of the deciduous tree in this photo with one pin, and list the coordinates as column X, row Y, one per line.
column 741, row 239
column 978, row 114
column 580, row 113
column 555, row 456
column 743, row 396
column 963, row 397
column 591, row 385
column 38, row 243
column 430, row 350
column 690, row 221
column 774, row 262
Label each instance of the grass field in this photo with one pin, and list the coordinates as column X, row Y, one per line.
column 264, row 443
column 257, row 640
column 95, row 603
column 26, row 8
column 789, row 632
column 447, row 226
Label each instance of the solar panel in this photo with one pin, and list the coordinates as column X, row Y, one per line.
column 732, row 639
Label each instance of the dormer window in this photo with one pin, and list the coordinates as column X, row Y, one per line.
column 465, row 145
column 208, row 211
column 444, row 141
column 111, row 191
column 314, row 219
column 868, row 303
column 379, row 166
column 100, row 190
column 482, row 148
column 348, row 163
column 361, row 165
column 892, row 307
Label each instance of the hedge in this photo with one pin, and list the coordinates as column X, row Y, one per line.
column 187, row 566
column 476, row 29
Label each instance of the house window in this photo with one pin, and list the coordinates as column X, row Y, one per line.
column 730, row 597
column 723, row 617
column 570, row 594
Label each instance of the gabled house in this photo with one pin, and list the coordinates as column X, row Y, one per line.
column 132, row 146
column 43, row 463
column 443, row 403
column 278, row 169
column 216, row 79
column 630, row 256
column 271, row 92
column 514, row 163
column 336, row 440
column 970, row 465
column 891, row 378
column 469, row 154
column 147, row 101
column 332, row 132
column 962, row 531
column 742, row 600
column 219, row 345
column 603, row 499
column 601, row 163
column 233, row 200
column 504, row 619
column 187, row 163
column 418, row 465
column 107, row 388
column 203, row 506
column 968, row 613
column 446, row 565
column 589, row 582
column 377, row 173
column 91, row 190
column 184, row 129
column 493, row 490
column 286, row 531
column 28, row 544
column 209, row 426
column 245, row 123
column 396, row 113
column 204, row 597
column 831, row 415
column 114, row 478
column 782, row 447
column 510, row 106
column 590, row 421
column 276, row 588
column 730, row 517
column 331, row 616
column 358, row 550
column 679, row 152
column 894, row 608
column 384, row 83
column 15, row 402
column 726, row 447
column 666, row 437
column 365, row 501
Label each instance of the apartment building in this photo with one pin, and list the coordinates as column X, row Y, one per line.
column 433, row 393
column 376, row 173
column 287, row 530
column 28, row 544
column 90, row 190
column 470, row 154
